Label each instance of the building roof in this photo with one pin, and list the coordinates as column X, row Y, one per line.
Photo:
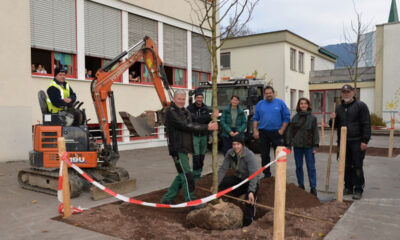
column 275, row 37
column 393, row 16
column 341, row 75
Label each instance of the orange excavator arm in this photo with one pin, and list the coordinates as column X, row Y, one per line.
column 101, row 84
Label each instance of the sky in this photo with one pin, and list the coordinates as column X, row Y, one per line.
column 319, row 21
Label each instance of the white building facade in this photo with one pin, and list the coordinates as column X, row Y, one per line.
column 283, row 59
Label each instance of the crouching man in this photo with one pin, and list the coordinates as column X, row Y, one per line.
column 243, row 163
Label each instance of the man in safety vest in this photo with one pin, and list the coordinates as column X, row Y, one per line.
column 59, row 93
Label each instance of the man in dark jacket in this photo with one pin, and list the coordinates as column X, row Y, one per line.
column 180, row 142
column 244, row 164
column 200, row 114
column 354, row 115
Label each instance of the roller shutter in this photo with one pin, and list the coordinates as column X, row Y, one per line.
column 175, row 46
column 201, row 58
column 53, row 25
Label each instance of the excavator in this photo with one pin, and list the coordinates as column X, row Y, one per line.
column 98, row 159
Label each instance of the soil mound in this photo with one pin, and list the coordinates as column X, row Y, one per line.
column 129, row 221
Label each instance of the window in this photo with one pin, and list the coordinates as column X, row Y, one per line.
column 301, row 62
column 301, row 93
column 198, row 77
column 293, row 59
column 225, row 60
column 312, row 63
column 176, row 76
column 93, row 64
column 44, row 62
column 201, row 59
column 293, row 102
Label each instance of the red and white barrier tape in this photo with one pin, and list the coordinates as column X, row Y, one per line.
column 59, row 191
column 159, row 205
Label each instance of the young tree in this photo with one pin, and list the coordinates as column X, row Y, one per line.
column 210, row 14
column 360, row 41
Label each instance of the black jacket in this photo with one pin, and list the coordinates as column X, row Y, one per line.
column 55, row 96
column 200, row 115
column 180, row 128
column 303, row 131
column 355, row 116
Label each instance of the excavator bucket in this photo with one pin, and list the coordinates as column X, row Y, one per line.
column 121, row 187
column 142, row 125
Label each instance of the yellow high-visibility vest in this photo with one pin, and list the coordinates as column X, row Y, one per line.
column 65, row 93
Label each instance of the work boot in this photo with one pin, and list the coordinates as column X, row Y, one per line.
column 198, row 206
column 347, row 191
column 168, row 202
column 302, row 187
column 313, row 191
column 357, row 195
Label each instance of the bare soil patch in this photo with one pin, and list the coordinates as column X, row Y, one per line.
column 129, row 221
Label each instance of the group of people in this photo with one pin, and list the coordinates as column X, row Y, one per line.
column 38, row 69
column 187, row 130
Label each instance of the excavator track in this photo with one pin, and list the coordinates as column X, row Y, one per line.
column 45, row 181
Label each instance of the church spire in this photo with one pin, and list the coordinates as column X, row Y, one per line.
column 393, row 16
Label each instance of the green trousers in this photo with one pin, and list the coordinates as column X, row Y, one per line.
column 200, row 148
column 184, row 179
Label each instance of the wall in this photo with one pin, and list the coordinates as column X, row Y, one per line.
column 267, row 60
column 295, row 79
column 391, row 70
column 323, row 64
column 367, row 95
column 15, row 82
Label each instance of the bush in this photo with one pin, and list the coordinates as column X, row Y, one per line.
column 377, row 121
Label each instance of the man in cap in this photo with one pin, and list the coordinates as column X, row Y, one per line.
column 243, row 163
column 180, row 128
column 353, row 114
column 200, row 114
column 59, row 92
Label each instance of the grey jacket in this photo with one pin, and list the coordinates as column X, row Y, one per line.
column 246, row 165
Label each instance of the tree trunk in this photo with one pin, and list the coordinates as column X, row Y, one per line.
column 214, row 94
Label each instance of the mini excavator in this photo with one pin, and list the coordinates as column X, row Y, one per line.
column 98, row 160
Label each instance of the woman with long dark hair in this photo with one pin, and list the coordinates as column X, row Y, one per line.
column 303, row 136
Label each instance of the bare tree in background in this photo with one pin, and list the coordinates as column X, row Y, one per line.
column 237, row 30
column 358, row 44
column 210, row 14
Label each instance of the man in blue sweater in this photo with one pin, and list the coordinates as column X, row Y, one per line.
column 271, row 118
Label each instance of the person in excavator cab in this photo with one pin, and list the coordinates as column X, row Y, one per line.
column 61, row 99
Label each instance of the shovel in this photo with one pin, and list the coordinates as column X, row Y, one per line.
column 328, row 170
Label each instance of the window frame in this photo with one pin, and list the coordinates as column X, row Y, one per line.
column 227, row 54
column 199, row 77
column 301, row 62
column 312, row 63
column 293, row 59
column 51, row 74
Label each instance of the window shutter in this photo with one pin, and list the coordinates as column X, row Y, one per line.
column 139, row 27
column 201, row 58
column 102, row 31
column 175, row 46
column 53, row 25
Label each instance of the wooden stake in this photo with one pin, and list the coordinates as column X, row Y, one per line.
column 322, row 131
column 342, row 161
column 390, row 153
column 328, row 170
column 65, row 180
column 280, row 197
column 270, row 208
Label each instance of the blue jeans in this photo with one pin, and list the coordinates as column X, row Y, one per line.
column 310, row 162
